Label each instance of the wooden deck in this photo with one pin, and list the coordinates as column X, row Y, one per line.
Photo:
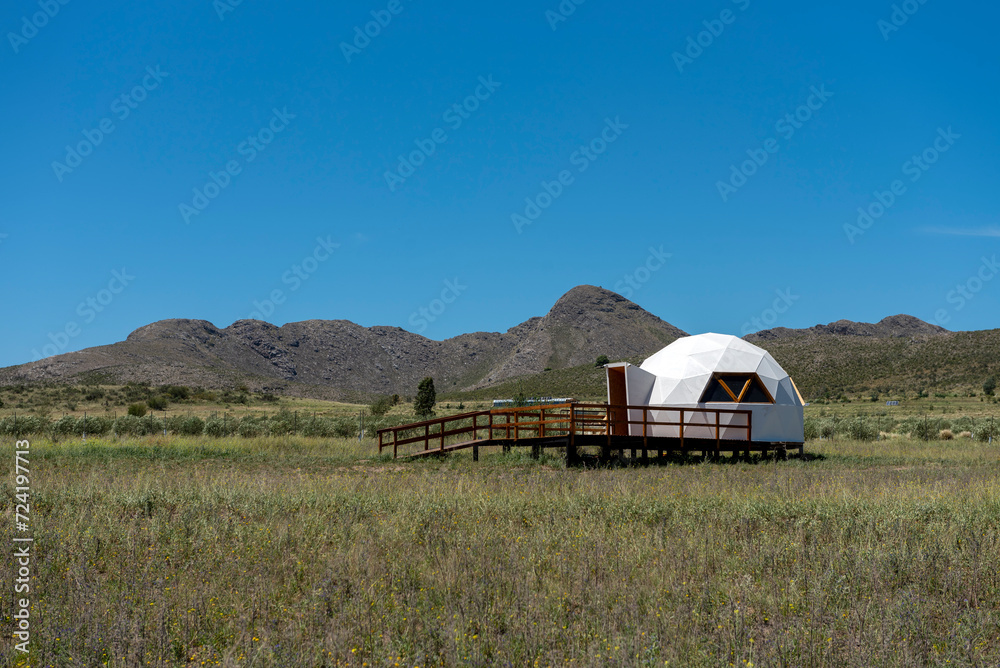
column 578, row 428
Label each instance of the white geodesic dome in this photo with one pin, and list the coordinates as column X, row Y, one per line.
column 684, row 368
column 691, row 373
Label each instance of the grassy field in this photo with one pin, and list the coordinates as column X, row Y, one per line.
column 309, row 552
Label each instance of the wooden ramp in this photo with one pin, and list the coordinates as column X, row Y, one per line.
column 449, row 448
column 639, row 430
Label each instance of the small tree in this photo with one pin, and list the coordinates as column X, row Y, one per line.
column 601, row 360
column 990, row 386
column 380, row 406
column 138, row 410
column 423, row 405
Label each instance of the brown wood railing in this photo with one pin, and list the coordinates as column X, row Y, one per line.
column 562, row 420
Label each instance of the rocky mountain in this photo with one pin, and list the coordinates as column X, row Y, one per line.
column 895, row 326
column 339, row 359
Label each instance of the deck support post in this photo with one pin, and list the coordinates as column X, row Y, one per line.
column 536, row 450
column 475, row 453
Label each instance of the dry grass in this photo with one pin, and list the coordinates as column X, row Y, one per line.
column 292, row 552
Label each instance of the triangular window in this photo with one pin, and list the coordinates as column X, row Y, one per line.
column 742, row 388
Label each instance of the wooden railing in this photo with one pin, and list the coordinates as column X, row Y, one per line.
column 571, row 419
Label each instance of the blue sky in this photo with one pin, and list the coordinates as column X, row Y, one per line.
column 706, row 159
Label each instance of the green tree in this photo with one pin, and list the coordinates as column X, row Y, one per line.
column 380, row 406
column 138, row 410
column 990, row 386
column 601, row 360
column 423, row 405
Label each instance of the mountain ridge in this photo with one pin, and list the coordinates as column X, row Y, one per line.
column 350, row 359
column 339, row 359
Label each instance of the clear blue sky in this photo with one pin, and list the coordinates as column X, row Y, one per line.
column 312, row 130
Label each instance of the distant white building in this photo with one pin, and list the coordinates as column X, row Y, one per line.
column 715, row 371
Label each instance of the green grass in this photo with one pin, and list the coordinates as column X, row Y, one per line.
column 306, row 552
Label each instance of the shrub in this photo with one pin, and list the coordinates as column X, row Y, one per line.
column 219, row 427
column 986, row 431
column 601, row 360
column 134, row 392
column 128, row 425
column 380, row 406
column 251, row 426
column 32, row 424
column 946, row 435
column 157, row 403
column 924, row 429
column 282, row 423
column 91, row 425
column 137, row 410
column 345, row 428
column 202, row 394
column 151, row 425
column 177, row 392
column 862, row 429
column 965, row 434
column 811, row 429
column 228, row 397
column 191, row 426
column 64, row 426
column 990, row 386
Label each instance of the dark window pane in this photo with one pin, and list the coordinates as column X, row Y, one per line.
column 756, row 394
column 715, row 393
